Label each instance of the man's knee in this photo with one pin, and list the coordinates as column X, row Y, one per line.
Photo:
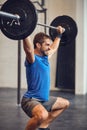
column 67, row 103
column 43, row 115
column 61, row 103
column 40, row 113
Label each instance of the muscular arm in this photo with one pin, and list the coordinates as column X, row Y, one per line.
column 54, row 46
column 29, row 50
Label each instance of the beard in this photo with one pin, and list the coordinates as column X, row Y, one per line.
column 44, row 52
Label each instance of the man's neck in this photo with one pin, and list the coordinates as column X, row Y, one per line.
column 37, row 52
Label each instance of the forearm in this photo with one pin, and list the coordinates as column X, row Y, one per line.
column 55, row 44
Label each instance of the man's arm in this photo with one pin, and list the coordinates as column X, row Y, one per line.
column 29, row 50
column 54, row 46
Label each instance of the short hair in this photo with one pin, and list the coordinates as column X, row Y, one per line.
column 39, row 38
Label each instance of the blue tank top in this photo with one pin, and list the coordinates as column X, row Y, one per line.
column 38, row 78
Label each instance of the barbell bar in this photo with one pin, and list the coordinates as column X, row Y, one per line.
column 9, row 15
column 48, row 26
column 19, row 19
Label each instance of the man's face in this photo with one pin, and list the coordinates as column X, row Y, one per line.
column 45, row 47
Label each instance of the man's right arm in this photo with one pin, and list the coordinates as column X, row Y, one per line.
column 29, row 50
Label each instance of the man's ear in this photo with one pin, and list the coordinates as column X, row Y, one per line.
column 38, row 45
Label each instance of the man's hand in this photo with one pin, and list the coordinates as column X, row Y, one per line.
column 60, row 29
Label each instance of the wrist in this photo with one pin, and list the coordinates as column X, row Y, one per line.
column 59, row 36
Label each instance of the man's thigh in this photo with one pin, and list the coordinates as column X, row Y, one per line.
column 48, row 104
column 60, row 103
column 29, row 104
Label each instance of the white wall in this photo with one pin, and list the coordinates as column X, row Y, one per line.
column 85, row 46
column 81, row 48
column 8, row 62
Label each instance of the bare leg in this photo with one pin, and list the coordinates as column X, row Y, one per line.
column 39, row 115
column 60, row 105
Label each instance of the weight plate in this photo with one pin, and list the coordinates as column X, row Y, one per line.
column 19, row 29
column 70, row 29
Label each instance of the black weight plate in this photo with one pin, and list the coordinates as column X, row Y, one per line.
column 18, row 30
column 70, row 29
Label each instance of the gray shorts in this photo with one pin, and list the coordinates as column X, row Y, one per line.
column 28, row 104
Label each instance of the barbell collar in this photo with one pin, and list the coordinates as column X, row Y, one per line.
column 9, row 15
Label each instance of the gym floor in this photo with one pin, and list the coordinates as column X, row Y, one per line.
column 12, row 116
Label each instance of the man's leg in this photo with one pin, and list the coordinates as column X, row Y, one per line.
column 58, row 107
column 41, row 118
column 39, row 115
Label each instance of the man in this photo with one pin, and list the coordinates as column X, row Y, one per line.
column 36, row 103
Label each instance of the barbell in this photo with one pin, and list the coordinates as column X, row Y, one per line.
column 18, row 19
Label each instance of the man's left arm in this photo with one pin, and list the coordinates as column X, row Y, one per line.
column 55, row 45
